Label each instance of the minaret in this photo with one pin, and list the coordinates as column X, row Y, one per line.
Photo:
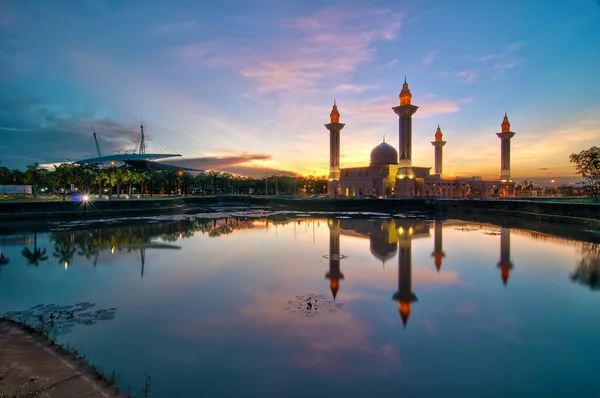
column 438, row 251
column 438, row 144
column 405, row 185
column 334, row 127
column 334, row 275
column 505, row 136
column 404, row 296
column 505, row 265
column 405, row 112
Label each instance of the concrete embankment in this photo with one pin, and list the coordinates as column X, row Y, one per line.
column 586, row 215
column 558, row 212
column 31, row 365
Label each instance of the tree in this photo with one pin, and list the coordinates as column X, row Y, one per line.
column 31, row 175
column 100, row 178
column 587, row 164
column 62, row 176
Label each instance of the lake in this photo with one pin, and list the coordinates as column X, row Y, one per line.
column 262, row 304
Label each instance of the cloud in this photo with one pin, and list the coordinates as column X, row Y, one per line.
column 429, row 58
column 508, row 50
column 389, row 64
column 379, row 109
column 58, row 133
column 331, row 44
column 468, row 76
column 354, row 88
column 503, row 67
column 174, row 27
column 217, row 162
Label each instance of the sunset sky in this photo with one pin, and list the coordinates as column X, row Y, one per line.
column 246, row 86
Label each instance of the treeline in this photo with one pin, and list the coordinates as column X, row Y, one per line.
column 128, row 181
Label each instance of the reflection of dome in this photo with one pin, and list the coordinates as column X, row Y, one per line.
column 382, row 249
column 384, row 154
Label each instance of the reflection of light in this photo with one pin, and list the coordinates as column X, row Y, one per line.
column 410, row 230
column 400, row 230
column 66, row 265
column 112, row 250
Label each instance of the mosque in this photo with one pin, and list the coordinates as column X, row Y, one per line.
column 391, row 175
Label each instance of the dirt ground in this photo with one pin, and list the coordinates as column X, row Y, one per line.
column 33, row 366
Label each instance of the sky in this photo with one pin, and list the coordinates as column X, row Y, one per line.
column 247, row 86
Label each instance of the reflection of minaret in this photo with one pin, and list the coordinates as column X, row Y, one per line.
column 143, row 259
column 334, row 275
column 438, row 251
column 334, row 128
column 404, row 296
column 438, row 144
column 505, row 265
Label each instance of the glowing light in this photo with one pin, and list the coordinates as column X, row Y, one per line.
column 400, row 230
column 66, row 265
column 86, row 198
column 112, row 250
column 410, row 230
column 401, row 176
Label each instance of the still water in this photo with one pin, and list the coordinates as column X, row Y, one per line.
column 218, row 307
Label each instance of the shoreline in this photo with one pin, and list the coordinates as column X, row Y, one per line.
column 29, row 359
column 583, row 214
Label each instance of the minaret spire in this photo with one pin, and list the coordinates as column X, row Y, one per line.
column 505, row 137
column 405, row 176
column 334, row 126
column 438, row 152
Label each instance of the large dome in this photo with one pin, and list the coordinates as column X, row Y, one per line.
column 384, row 154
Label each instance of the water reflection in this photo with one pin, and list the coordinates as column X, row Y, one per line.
column 387, row 238
column 586, row 272
column 335, row 274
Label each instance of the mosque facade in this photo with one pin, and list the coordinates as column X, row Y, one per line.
column 390, row 172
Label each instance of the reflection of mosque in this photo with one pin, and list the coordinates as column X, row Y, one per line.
column 388, row 237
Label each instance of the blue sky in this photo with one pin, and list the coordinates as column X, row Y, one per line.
column 246, row 86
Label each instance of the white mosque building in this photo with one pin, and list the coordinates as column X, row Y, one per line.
column 393, row 174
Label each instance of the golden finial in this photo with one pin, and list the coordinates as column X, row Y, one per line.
column 335, row 114
column 438, row 134
column 405, row 95
column 505, row 124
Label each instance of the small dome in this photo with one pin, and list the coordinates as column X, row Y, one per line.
column 384, row 154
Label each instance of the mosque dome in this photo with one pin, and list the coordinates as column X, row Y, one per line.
column 384, row 154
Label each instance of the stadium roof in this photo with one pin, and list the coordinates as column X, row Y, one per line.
column 126, row 157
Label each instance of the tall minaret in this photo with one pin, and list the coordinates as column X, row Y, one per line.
column 438, row 251
column 405, row 112
column 404, row 296
column 334, row 127
column 334, row 275
column 505, row 264
column 505, row 136
column 438, row 144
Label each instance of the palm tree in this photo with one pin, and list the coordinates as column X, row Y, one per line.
column 142, row 179
column 99, row 178
column 63, row 175
column 31, row 175
column 36, row 255
column 213, row 176
column 128, row 178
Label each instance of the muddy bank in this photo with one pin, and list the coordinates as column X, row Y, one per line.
column 31, row 365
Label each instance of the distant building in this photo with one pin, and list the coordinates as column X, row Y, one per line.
column 392, row 173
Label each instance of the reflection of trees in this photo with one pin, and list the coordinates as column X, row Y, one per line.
column 64, row 249
column 587, row 271
column 89, row 243
column 36, row 255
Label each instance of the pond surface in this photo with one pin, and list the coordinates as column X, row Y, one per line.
column 244, row 306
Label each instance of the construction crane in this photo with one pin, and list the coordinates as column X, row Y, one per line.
column 97, row 146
